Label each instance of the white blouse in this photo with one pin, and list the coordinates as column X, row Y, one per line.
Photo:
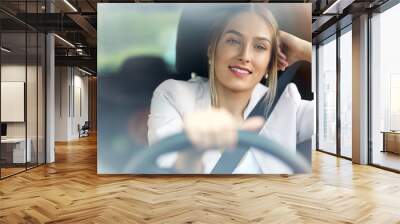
column 290, row 122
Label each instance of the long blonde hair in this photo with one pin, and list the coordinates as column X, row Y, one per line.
column 216, row 33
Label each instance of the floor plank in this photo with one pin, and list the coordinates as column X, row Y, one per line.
column 70, row 191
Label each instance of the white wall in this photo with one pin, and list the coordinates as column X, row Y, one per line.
column 71, row 93
column 10, row 73
column 12, row 101
column 13, row 72
column 62, row 81
column 16, row 73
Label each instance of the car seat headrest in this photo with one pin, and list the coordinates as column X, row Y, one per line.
column 192, row 39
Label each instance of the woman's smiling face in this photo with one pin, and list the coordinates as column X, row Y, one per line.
column 243, row 52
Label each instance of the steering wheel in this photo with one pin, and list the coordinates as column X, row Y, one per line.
column 144, row 162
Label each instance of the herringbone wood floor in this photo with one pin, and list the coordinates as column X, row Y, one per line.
column 70, row 191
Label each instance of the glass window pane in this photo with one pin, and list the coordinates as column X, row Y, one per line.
column 31, row 100
column 22, row 88
column 327, row 96
column 346, row 94
column 385, row 89
column 14, row 153
column 31, row 87
column 41, row 98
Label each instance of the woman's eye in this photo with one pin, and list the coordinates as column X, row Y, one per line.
column 260, row 47
column 232, row 41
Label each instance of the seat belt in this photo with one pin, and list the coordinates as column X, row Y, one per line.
column 229, row 160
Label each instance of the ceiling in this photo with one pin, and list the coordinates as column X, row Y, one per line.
column 76, row 20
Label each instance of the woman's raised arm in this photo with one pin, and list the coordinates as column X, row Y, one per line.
column 293, row 49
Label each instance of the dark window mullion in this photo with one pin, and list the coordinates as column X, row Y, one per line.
column 44, row 79
column 0, row 95
column 369, row 78
column 37, row 90
column 26, row 86
column 338, row 73
column 317, row 95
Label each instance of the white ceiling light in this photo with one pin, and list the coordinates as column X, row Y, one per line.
column 86, row 72
column 79, row 51
column 5, row 50
column 70, row 5
column 65, row 41
column 337, row 7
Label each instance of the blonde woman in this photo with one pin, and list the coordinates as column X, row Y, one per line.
column 243, row 48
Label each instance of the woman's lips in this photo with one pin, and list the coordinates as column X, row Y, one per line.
column 239, row 71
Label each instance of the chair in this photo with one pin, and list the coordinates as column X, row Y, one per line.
column 84, row 129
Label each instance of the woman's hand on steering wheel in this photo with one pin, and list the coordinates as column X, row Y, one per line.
column 217, row 128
